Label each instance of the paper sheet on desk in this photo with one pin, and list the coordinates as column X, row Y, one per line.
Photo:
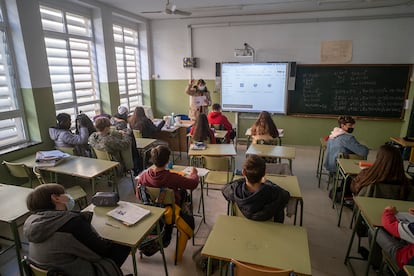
column 128, row 213
column 200, row 171
column 199, row 100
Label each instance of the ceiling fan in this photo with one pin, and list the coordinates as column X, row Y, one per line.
column 170, row 9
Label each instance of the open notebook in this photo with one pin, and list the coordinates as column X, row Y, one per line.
column 128, row 213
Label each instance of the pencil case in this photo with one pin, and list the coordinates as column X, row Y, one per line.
column 365, row 164
column 105, row 199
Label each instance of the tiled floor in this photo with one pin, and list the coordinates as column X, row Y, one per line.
column 327, row 242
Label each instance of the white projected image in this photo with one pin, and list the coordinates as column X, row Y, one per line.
column 254, row 87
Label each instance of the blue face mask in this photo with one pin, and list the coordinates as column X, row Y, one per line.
column 70, row 203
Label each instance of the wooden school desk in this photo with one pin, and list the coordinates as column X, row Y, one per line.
column 143, row 146
column 409, row 269
column 272, row 151
column 131, row 236
column 258, row 242
column 291, row 184
column 12, row 207
column 213, row 150
column 345, row 169
column 83, row 167
column 370, row 210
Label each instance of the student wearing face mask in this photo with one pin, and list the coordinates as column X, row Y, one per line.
column 63, row 240
column 197, row 107
column 342, row 140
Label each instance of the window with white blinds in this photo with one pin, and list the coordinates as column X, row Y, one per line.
column 71, row 58
column 128, row 66
column 12, row 123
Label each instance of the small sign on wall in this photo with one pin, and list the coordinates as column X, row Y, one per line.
column 336, row 51
column 190, row 62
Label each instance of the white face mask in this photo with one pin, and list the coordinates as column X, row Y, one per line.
column 70, row 203
column 202, row 87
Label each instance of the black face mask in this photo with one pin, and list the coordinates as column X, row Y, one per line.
column 350, row 130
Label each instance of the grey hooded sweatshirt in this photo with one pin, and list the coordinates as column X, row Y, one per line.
column 50, row 248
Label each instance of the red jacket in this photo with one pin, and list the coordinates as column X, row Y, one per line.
column 400, row 230
column 168, row 179
column 216, row 117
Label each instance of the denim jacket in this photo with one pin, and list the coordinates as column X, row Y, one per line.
column 345, row 143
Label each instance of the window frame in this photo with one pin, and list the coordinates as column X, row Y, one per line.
column 139, row 83
column 74, row 105
column 19, row 112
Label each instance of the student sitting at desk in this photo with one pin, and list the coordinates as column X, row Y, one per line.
column 215, row 117
column 398, row 239
column 264, row 128
column 388, row 168
column 256, row 197
column 201, row 131
column 63, row 136
column 342, row 141
column 113, row 142
column 65, row 241
column 140, row 121
column 159, row 177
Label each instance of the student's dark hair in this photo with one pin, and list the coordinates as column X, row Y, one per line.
column 265, row 125
column 342, row 120
column 160, row 155
column 82, row 120
column 201, row 129
column 40, row 198
column 63, row 121
column 138, row 118
column 216, row 106
column 201, row 81
column 255, row 168
column 102, row 123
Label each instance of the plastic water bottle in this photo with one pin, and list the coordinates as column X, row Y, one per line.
column 172, row 119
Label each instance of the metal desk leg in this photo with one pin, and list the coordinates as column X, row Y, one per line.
column 319, row 161
column 374, row 238
column 359, row 219
column 134, row 261
column 335, row 186
column 161, row 248
column 17, row 243
column 209, row 262
column 301, row 211
column 342, row 200
column 290, row 165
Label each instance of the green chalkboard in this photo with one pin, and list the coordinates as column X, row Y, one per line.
column 377, row 91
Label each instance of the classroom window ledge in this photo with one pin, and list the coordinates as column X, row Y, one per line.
column 19, row 147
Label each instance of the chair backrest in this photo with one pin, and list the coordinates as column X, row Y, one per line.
column 68, row 150
column 137, row 133
column 127, row 159
column 217, row 126
column 217, row 163
column 238, row 268
column 17, row 169
column 235, row 210
column 31, row 269
column 381, row 190
column 154, row 193
column 268, row 142
column 103, row 155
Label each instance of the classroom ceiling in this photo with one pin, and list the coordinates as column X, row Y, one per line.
column 169, row 9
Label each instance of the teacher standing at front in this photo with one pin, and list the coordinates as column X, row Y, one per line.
column 200, row 98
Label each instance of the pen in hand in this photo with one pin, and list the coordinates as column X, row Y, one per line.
column 114, row 226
